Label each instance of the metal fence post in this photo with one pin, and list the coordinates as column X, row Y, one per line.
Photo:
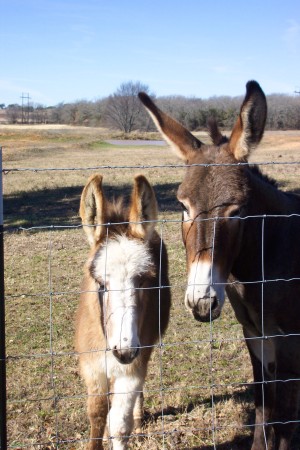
column 3, row 429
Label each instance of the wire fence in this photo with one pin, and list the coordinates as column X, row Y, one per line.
column 198, row 391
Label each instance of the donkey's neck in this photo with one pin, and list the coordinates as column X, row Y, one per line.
column 266, row 198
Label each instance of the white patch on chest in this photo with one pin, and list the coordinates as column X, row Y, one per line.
column 112, row 368
column 263, row 349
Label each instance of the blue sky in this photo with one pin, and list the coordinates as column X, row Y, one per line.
column 67, row 50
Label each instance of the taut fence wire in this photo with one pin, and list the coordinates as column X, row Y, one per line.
column 146, row 166
column 200, row 394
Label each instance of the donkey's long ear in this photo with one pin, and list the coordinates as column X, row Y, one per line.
column 143, row 208
column 250, row 125
column 181, row 140
column 92, row 209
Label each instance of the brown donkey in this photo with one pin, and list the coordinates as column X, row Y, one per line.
column 123, row 308
column 242, row 235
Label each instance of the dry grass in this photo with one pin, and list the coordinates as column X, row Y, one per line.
column 196, row 391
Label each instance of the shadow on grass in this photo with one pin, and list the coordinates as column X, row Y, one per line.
column 60, row 206
column 240, row 442
column 240, row 396
column 243, row 443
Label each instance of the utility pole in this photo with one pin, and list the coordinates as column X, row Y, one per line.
column 25, row 111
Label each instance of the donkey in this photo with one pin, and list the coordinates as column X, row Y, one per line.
column 241, row 234
column 124, row 307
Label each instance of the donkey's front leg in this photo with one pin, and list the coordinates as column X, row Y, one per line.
column 97, row 408
column 264, row 392
column 120, row 418
column 286, row 413
column 138, row 413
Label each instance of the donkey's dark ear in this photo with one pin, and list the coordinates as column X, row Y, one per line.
column 250, row 125
column 143, row 209
column 92, row 209
column 214, row 132
column 181, row 140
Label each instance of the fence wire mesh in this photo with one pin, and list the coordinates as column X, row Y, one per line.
column 199, row 387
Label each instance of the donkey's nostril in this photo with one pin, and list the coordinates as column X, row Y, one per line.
column 207, row 309
column 125, row 355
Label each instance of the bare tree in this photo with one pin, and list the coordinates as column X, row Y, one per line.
column 13, row 113
column 124, row 110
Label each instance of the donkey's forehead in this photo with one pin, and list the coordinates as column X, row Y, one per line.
column 198, row 173
column 121, row 257
column 211, row 154
column 215, row 176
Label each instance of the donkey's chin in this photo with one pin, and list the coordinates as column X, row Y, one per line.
column 207, row 311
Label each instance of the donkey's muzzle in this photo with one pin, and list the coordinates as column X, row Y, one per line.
column 206, row 309
column 126, row 355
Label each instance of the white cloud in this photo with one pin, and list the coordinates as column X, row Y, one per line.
column 291, row 36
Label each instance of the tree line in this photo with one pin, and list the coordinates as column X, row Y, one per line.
column 123, row 111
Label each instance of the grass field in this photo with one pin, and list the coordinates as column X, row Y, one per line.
column 198, row 393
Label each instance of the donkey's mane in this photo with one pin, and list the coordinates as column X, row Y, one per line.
column 255, row 170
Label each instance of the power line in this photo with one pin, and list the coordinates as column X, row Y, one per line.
column 25, row 107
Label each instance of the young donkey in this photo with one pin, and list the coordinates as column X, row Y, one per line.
column 242, row 234
column 123, row 311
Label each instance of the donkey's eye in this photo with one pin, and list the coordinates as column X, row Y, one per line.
column 184, row 208
column 101, row 287
column 235, row 213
